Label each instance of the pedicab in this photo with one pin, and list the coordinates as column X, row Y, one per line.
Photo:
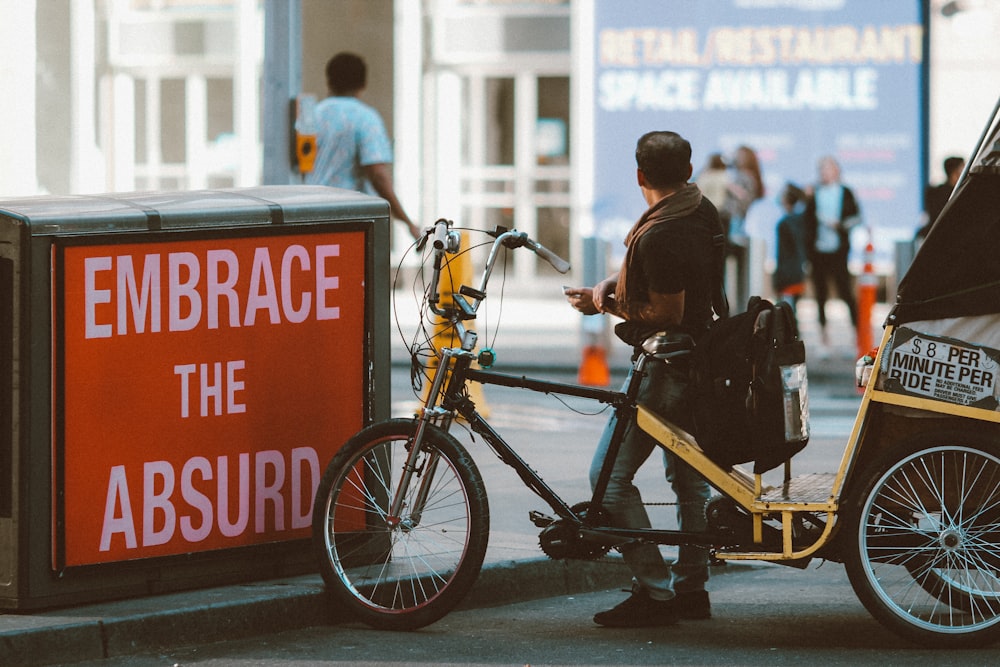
column 922, row 471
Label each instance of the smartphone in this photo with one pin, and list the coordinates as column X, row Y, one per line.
column 566, row 289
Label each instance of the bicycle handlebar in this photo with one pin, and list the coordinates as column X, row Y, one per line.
column 446, row 241
column 440, row 235
column 557, row 262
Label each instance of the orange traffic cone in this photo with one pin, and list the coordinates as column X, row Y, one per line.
column 867, row 292
column 594, row 367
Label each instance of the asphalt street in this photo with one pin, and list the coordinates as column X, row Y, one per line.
column 762, row 615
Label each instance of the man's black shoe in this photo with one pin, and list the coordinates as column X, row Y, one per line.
column 693, row 605
column 638, row 611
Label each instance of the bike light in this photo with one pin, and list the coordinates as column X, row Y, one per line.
column 487, row 357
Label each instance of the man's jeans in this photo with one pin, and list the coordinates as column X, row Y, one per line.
column 662, row 391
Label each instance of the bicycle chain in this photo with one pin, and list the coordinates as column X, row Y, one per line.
column 688, row 502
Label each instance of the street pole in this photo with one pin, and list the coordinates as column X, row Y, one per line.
column 282, row 83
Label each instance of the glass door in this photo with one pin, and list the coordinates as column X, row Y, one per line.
column 512, row 148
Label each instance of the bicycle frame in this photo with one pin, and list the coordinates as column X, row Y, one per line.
column 448, row 397
column 454, row 398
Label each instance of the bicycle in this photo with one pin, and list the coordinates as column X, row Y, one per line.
column 401, row 517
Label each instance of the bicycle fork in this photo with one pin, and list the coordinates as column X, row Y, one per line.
column 430, row 413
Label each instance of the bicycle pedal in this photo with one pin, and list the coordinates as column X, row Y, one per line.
column 540, row 520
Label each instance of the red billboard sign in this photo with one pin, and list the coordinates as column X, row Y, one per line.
column 201, row 386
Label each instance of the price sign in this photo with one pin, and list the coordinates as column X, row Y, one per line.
column 944, row 369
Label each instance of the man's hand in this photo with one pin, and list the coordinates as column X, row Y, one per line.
column 582, row 299
column 604, row 295
column 597, row 299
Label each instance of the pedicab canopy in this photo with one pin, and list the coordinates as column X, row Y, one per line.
column 956, row 272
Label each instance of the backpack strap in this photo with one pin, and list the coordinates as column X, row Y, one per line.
column 720, row 302
column 788, row 320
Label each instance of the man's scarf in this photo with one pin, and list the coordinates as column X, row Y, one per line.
column 678, row 205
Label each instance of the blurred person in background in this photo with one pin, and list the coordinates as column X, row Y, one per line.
column 936, row 196
column 789, row 279
column 352, row 146
column 745, row 187
column 713, row 181
column 832, row 211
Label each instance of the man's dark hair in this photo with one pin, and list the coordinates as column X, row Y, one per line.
column 792, row 194
column 664, row 158
column 953, row 164
column 346, row 73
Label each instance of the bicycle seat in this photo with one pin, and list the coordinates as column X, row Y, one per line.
column 668, row 344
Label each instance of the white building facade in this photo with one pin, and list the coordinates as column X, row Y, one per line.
column 479, row 95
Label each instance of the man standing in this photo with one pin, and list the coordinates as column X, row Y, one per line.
column 668, row 279
column 353, row 149
column 832, row 211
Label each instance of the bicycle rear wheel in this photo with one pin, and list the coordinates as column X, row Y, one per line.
column 957, row 589
column 402, row 572
column 925, row 559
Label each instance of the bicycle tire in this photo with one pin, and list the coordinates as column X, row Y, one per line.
column 408, row 572
column 923, row 554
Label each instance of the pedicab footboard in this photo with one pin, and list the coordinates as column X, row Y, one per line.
column 810, row 494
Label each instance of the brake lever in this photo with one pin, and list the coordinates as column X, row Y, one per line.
column 422, row 241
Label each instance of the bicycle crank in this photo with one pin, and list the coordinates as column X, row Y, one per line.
column 561, row 539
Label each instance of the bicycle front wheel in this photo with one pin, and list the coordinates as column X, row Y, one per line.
column 407, row 571
column 926, row 556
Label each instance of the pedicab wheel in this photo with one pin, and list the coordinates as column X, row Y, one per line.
column 400, row 572
column 923, row 551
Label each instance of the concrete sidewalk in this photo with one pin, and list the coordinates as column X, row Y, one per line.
column 535, row 335
column 141, row 625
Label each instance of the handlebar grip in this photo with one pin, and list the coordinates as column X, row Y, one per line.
column 440, row 235
column 557, row 262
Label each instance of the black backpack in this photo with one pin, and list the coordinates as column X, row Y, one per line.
column 750, row 387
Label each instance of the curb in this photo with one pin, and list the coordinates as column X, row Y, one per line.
column 128, row 627
column 174, row 620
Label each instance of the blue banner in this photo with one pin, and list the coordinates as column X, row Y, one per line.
column 795, row 80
